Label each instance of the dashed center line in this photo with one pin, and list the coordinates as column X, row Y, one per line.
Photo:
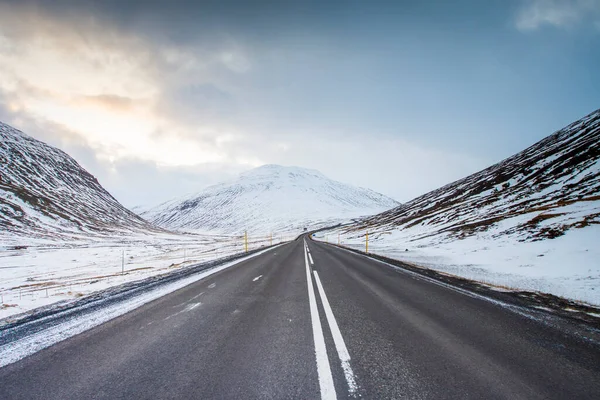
column 257, row 278
column 187, row 308
column 196, row 296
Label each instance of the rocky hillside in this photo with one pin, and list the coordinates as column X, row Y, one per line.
column 44, row 193
column 269, row 198
column 539, row 193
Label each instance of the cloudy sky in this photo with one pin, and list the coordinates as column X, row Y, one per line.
column 159, row 99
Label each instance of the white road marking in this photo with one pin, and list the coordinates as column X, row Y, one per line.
column 187, row 301
column 257, row 278
column 311, row 260
column 187, row 308
column 340, row 345
column 196, row 296
column 323, row 369
column 212, row 285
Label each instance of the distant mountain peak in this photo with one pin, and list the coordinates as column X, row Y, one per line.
column 269, row 197
column 280, row 171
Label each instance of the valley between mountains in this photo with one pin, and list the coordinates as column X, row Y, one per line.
column 309, row 286
column 530, row 222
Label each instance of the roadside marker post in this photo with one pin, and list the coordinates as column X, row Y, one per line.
column 246, row 241
column 123, row 263
column 367, row 243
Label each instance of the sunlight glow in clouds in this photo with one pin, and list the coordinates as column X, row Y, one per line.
column 158, row 99
column 102, row 88
column 118, row 134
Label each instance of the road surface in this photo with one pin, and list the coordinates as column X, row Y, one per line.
column 320, row 323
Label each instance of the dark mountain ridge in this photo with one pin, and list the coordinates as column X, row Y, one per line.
column 44, row 193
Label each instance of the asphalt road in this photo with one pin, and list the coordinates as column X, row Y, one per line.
column 327, row 323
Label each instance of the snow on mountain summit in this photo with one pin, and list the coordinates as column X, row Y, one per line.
column 269, row 198
column 270, row 171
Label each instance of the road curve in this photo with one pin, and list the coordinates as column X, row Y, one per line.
column 308, row 320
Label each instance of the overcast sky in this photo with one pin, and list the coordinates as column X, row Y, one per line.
column 159, row 99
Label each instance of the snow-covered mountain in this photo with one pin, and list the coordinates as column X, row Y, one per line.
column 545, row 190
column 44, row 193
column 530, row 222
column 269, row 198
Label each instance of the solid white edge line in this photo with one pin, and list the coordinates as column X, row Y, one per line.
column 340, row 345
column 323, row 368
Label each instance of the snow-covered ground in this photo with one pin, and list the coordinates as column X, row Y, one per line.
column 567, row 266
column 35, row 273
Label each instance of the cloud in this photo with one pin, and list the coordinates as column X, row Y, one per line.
column 160, row 99
column 109, row 85
column 108, row 101
column 133, row 181
column 143, row 114
column 558, row 13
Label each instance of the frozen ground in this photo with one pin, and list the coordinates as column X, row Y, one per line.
column 567, row 266
column 35, row 273
column 16, row 350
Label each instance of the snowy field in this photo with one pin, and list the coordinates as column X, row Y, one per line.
column 567, row 266
column 38, row 273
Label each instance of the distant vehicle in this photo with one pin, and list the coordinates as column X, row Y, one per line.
column 305, row 229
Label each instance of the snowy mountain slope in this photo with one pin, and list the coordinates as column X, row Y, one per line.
column 547, row 189
column 269, row 198
column 44, row 193
column 530, row 222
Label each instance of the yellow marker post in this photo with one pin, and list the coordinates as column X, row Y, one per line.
column 367, row 243
column 246, row 241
